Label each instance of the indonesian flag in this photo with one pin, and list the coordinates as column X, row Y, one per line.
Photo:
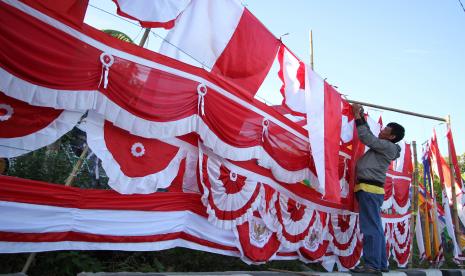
column 292, row 74
column 152, row 13
column 323, row 107
column 441, row 168
column 226, row 39
column 458, row 177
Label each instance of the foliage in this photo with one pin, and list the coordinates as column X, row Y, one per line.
column 119, row 35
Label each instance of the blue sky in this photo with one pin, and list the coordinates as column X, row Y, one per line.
column 404, row 54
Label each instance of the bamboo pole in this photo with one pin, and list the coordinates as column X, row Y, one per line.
column 455, row 217
column 400, row 111
column 311, row 49
column 414, row 199
column 144, row 37
column 69, row 181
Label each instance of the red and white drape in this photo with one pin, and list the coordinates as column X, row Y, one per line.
column 25, row 128
column 156, row 122
column 398, row 182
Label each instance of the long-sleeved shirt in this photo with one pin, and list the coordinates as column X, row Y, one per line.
column 373, row 165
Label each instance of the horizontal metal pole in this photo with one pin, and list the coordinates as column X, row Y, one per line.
column 400, row 111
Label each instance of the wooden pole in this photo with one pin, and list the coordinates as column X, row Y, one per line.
column 455, row 217
column 69, row 181
column 414, row 199
column 311, row 49
column 400, row 111
column 144, row 37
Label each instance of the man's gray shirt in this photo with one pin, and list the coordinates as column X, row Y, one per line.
column 373, row 165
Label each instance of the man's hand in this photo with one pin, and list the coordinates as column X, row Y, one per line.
column 357, row 109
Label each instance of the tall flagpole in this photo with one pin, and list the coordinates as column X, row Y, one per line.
column 311, row 49
column 144, row 38
column 414, row 199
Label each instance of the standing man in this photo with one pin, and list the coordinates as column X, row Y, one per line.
column 369, row 189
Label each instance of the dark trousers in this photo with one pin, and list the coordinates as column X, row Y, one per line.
column 374, row 243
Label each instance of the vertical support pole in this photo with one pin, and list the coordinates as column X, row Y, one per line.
column 311, row 49
column 413, row 200
column 69, row 181
column 455, row 217
column 144, row 37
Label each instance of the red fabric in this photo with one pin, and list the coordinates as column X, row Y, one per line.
column 226, row 214
column 35, row 192
column 388, row 187
column 176, row 185
column 155, row 157
column 337, row 244
column 332, row 140
column 248, row 56
column 314, row 255
column 29, row 51
column 70, row 11
column 402, row 191
column 439, row 160
column 351, row 260
column 25, row 119
column 230, row 186
column 253, row 252
column 145, row 92
column 293, row 238
column 450, row 139
column 408, row 164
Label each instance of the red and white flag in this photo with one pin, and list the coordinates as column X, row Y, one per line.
column 292, row 74
column 225, row 38
column 323, row 104
column 152, row 13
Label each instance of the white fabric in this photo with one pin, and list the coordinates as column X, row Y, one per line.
column 399, row 162
column 419, row 236
column 27, row 247
column 293, row 227
column 153, row 10
column 352, row 232
column 347, row 129
column 202, row 32
column 23, row 218
column 449, row 224
column 224, row 201
column 315, row 109
column 12, row 147
column 293, row 94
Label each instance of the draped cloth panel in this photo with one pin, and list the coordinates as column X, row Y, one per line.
column 142, row 92
column 25, row 128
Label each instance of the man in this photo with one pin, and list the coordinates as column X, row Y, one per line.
column 371, row 174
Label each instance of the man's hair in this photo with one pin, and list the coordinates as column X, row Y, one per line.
column 396, row 130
